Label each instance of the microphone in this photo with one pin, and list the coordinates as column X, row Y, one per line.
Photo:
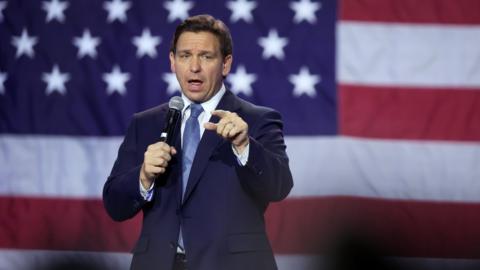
column 175, row 106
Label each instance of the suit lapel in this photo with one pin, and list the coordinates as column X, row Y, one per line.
column 177, row 162
column 209, row 142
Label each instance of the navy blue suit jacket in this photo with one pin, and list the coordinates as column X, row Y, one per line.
column 222, row 214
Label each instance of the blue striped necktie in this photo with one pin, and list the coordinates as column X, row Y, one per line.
column 191, row 138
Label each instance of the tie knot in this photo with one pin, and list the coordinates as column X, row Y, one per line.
column 195, row 110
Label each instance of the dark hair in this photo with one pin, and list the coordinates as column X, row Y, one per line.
column 205, row 23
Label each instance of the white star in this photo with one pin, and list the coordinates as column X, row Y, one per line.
column 305, row 10
column 3, row 5
column 86, row 44
column 273, row 45
column 241, row 81
column 171, row 80
column 241, row 9
column 116, row 81
column 117, row 10
column 24, row 44
column 55, row 80
column 3, row 78
column 55, row 10
column 146, row 44
column 304, row 82
column 177, row 9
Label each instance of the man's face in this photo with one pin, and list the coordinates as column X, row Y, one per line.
column 199, row 65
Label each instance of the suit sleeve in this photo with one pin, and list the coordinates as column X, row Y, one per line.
column 121, row 192
column 267, row 174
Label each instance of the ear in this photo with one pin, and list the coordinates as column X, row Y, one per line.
column 172, row 61
column 227, row 65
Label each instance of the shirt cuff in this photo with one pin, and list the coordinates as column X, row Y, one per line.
column 147, row 194
column 243, row 157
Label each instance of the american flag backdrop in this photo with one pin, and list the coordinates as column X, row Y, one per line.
column 380, row 99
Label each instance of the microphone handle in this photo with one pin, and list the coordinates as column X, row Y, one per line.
column 168, row 133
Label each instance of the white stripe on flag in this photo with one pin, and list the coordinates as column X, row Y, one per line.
column 32, row 259
column 321, row 166
column 408, row 54
column 48, row 259
column 56, row 166
column 391, row 169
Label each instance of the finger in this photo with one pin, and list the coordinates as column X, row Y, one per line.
column 158, row 145
column 229, row 127
column 166, row 156
column 153, row 147
column 220, row 128
column 230, row 131
column 220, row 113
column 173, row 151
column 157, row 170
column 165, row 147
column 233, row 132
column 151, row 171
column 159, row 154
column 225, row 121
column 160, row 162
column 153, row 163
column 210, row 126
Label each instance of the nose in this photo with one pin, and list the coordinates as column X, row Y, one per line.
column 195, row 66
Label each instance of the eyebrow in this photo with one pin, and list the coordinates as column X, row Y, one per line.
column 201, row 52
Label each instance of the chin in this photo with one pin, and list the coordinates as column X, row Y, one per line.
column 196, row 96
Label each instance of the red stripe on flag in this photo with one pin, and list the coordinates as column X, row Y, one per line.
column 407, row 113
column 295, row 226
column 397, row 228
column 412, row 11
column 63, row 224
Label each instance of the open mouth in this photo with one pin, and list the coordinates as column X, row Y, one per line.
column 195, row 84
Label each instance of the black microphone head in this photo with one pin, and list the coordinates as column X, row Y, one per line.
column 172, row 119
column 176, row 103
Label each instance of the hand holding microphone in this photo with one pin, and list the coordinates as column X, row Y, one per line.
column 158, row 155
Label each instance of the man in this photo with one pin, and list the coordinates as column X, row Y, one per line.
column 203, row 198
